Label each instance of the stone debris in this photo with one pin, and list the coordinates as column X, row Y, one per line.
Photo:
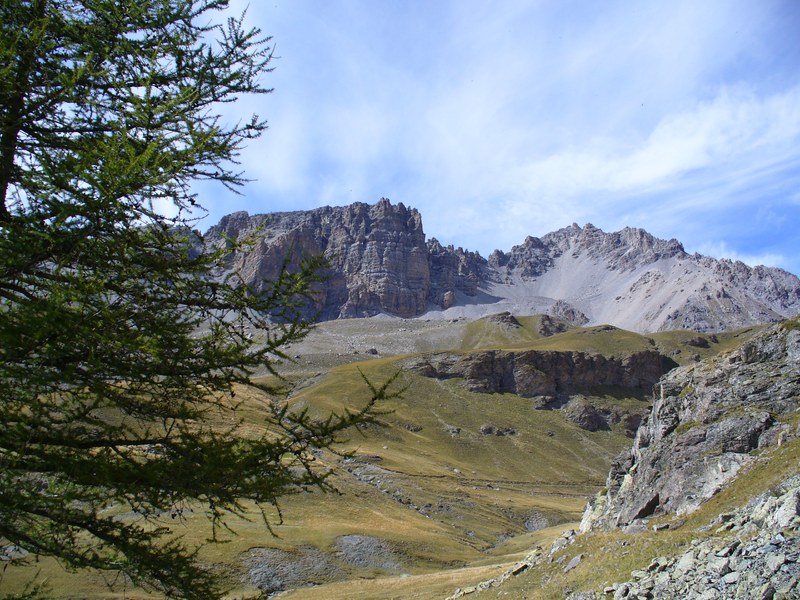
column 574, row 562
column 366, row 551
column 762, row 562
column 272, row 570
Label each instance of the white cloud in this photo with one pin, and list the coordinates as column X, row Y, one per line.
column 717, row 155
column 499, row 121
column 734, row 125
column 280, row 163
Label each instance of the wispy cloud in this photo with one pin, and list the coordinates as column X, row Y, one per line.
column 721, row 133
column 500, row 120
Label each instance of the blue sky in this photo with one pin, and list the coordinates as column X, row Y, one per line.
column 502, row 119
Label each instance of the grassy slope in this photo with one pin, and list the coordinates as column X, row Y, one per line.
column 610, row 557
column 486, row 333
column 472, row 492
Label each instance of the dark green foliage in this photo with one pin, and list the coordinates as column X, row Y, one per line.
column 118, row 338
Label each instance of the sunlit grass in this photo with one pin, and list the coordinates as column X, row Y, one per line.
column 466, row 495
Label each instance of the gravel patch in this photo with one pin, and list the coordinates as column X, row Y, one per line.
column 274, row 570
column 365, row 551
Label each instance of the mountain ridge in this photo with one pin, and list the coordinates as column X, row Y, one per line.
column 381, row 262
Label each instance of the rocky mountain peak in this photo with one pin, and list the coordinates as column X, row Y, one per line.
column 377, row 254
column 530, row 259
column 626, row 249
column 381, row 262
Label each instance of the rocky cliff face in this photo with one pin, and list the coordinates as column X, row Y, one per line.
column 381, row 262
column 544, row 375
column 552, row 379
column 709, row 421
column 706, row 421
column 454, row 270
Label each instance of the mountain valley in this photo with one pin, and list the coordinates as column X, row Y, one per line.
column 587, row 416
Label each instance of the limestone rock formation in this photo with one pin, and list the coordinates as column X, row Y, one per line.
column 551, row 379
column 706, row 421
column 767, row 565
column 531, row 259
column 453, row 270
column 586, row 416
column 381, row 262
column 378, row 257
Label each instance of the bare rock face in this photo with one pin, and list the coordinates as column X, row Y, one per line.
column 530, row 259
column 381, row 253
column 547, row 374
column 586, row 416
column 766, row 565
column 378, row 256
column 505, row 320
column 565, row 311
column 623, row 250
column 551, row 379
column 381, row 262
column 549, row 326
column 272, row 570
column 706, row 420
column 735, row 295
column 453, row 269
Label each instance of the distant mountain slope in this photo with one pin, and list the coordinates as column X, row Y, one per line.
column 381, row 262
column 632, row 280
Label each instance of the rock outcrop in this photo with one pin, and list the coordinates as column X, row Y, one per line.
column 766, row 565
column 706, row 421
column 552, row 379
column 454, row 270
column 544, row 375
column 381, row 262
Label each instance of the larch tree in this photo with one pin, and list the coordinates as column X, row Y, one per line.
column 119, row 335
